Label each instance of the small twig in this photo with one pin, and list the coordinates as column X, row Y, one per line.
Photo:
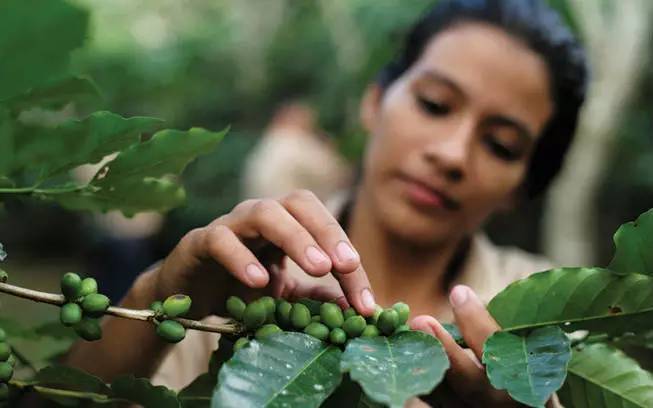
column 145, row 314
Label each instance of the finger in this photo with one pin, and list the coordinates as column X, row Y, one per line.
column 465, row 373
column 221, row 244
column 474, row 321
column 356, row 287
column 322, row 225
column 310, row 212
column 268, row 219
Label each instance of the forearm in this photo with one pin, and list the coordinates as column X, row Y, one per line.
column 127, row 346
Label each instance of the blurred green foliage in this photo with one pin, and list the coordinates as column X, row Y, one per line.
column 228, row 62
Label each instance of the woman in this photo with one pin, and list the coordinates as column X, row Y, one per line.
column 475, row 114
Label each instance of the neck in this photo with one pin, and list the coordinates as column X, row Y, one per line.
column 397, row 269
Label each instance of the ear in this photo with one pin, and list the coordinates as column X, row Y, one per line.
column 370, row 105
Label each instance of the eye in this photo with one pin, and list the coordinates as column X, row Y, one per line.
column 502, row 151
column 432, row 107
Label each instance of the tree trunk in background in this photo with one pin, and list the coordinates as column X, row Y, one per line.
column 617, row 38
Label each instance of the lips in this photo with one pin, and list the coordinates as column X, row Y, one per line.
column 423, row 194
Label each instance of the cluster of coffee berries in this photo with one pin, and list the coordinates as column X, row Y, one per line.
column 324, row 321
column 83, row 307
column 7, row 363
column 174, row 306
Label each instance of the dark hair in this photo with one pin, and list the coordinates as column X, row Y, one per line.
column 542, row 30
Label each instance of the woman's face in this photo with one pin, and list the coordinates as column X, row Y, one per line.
column 451, row 139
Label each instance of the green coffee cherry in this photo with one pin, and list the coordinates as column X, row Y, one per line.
column 236, row 307
column 157, row 307
column 89, row 285
column 338, row 336
column 95, row 304
column 88, row 329
column 283, row 313
column 254, row 315
column 176, row 305
column 316, row 319
column 71, row 286
column 401, row 328
column 4, row 276
column 3, row 335
column 171, row 331
column 266, row 331
column 403, row 311
column 4, row 392
column 240, row 343
column 331, row 315
column 300, row 316
column 349, row 312
column 354, row 326
column 270, row 307
column 388, row 321
column 317, row 330
column 371, row 331
column 375, row 317
column 5, row 351
column 6, row 371
column 70, row 314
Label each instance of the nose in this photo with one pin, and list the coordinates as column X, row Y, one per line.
column 449, row 150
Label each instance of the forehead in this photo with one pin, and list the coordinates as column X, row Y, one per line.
column 496, row 71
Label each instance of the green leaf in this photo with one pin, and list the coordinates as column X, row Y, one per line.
column 198, row 393
column 56, row 95
column 531, row 368
column 128, row 195
column 601, row 376
column 167, row 152
column 72, row 379
column 141, row 391
column 35, row 46
column 393, row 369
column 593, row 299
column 282, row 370
column 76, row 142
column 633, row 242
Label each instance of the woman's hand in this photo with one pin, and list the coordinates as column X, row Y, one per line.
column 248, row 245
column 467, row 377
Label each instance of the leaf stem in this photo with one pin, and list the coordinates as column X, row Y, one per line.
column 57, row 392
column 145, row 314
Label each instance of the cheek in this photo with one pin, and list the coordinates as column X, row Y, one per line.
column 394, row 137
column 494, row 184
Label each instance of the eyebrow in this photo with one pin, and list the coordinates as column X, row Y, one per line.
column 500, row 120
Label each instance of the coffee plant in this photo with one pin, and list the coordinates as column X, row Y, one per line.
column 562, row 329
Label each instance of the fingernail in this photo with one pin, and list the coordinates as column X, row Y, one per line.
column 255, row 273
column 368, row 299
column 345, row 252
column 458, row 295
column 316, row 256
